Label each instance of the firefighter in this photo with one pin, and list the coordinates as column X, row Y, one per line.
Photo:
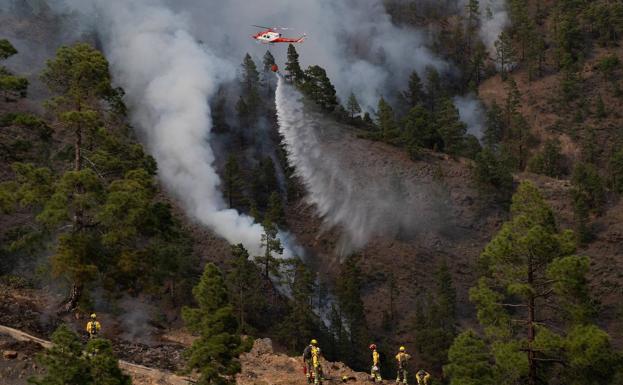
column 93, row 326
column 402, row 357
column 375, row 373
column 315, row 352
column 307, row 360
column 422, row 377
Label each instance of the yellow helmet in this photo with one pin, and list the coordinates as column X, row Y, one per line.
column 93, row 315
column 314, row 342
column 402, row 349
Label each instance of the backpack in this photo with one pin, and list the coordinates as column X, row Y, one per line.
column 307, row 353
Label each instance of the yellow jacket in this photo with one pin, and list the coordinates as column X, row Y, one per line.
column 402, row 358
column 315, row 351
column 375, row 358
column 93, row 327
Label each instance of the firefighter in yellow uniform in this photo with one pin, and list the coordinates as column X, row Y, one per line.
column 93, row 327
column 422, row 377
column 401, row 359
column 375, row 373
column 307, row 360
column 315, row 352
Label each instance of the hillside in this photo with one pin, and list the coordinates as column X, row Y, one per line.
column 444, row 176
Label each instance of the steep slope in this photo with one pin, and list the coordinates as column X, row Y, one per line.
column 403, row 218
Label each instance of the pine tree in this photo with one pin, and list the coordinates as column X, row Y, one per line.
column 246, row 289
column 529, row 266
column 469, row 361
column 352, row 311
column 219, row 116
column 11, row 86
column 512, row 102
column 568, row 39
column 250, row 82
column 385, row 120
column 550, row 161
column 232, row 182
column 264, row 182
column 77, row 197
column 64, row 362
column 299, row 325
column 495, row 126
column 214, row 354
column 472, row 24
column 268, row 78
column 435, row 328
column 274, row 212
column 319, row 88
column 103, row 365
column 450, row 128
column 588, row 184
column 419, row 130
column 493, row 174
column 434, row 89
column 415, row 93
column 518, row 136
column 80, row 78
column 352, row 106
column 504, row 53
column 272, row 245
column 250, row 76
column 478, row 59
column 293, row 68
column 268, row 61
column 6, row 49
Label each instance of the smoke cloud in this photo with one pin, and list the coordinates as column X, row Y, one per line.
column 472, row 113
column 362, row 191
column 493, row 20
column 169, row 77
column 171, row 56
column 354, row 40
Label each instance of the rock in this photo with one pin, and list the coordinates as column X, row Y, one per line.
column 9, row 354
column 262, row 346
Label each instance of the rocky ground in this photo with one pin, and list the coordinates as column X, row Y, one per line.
column 17, row 363
column 28, row 310
column 260, row 366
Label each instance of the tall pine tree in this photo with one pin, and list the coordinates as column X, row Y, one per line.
column 214, row 353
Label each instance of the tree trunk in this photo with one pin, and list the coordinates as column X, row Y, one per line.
column 241, row 304
column 70, row 304
column 78, row 149
column 531, row 331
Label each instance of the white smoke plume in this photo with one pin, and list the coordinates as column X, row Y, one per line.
column 493, row 20
column 364, row 192
column 354, row 40
column 169, row 77
column 472, row 113
column 170, row 56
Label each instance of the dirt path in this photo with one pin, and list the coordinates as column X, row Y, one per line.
column 141, row 375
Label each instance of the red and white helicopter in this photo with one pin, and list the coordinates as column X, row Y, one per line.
column 269, row 35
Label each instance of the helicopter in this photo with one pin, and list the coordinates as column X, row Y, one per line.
column 269, row 35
